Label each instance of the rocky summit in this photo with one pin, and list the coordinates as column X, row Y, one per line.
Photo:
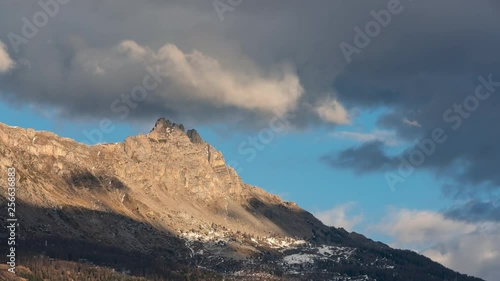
column 166, row 206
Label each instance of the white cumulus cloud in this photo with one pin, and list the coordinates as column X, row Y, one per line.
column 332, row 111
column 6, row 63
column 196, row 77
column 472, row 248
column 340, row 216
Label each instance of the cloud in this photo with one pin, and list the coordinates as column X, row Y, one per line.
column 340, row 216
column 418, row 228
column 133, row 50
column 193, row 85
column 411, row 123
column 468, row 247
column 6, row 63
column 202, row 77
column 477, row 253
column 386, row 137
column 331, row 111
column 368, row 157
column 78, row 70
column 476, row 211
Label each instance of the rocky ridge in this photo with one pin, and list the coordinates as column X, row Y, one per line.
column 168, row 199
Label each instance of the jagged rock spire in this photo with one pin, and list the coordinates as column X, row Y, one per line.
column 163, row 123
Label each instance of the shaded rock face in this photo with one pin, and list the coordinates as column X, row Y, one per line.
column 194, row 136
column 169, row 197
column 164, row 124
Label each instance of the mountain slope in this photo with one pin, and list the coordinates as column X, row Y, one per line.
column 165, row 205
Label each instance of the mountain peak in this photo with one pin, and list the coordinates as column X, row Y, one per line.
column 162, row 124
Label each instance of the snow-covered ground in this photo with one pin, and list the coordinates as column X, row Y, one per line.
column 210, row 236
column 300, row 258
column 283, row 243
column 308, row 254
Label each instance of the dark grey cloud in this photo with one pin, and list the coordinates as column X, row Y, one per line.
column 426, row 60
column 476, row 211
column 418, row 70
column 376, row 160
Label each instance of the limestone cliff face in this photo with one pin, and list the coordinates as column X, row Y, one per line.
column 170, row 179
column 166, row 203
